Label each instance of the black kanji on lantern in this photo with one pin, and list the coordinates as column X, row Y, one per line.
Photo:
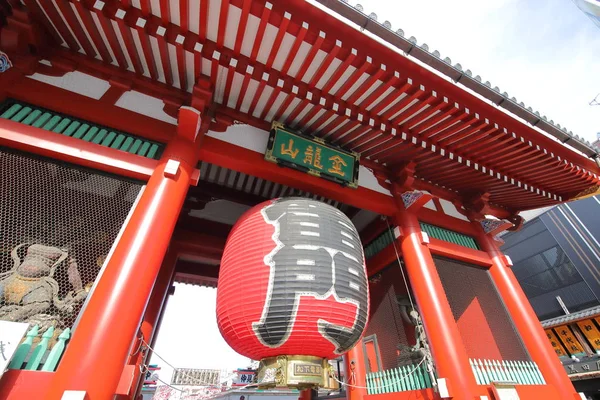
column 318, row 253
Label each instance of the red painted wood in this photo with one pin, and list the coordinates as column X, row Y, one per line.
column 165, row 59
column 253, row 163
column 241, row 30
column 184, row 15
column 92, row 29
column 181, row 67
column 148, row 54
column 224, row 11
column 130, row 45
column 111, row 36
column 356, row 373
column 49, row 144
column 524, row 318
column 123, row 290
column 423, row 394
column 447, row 349
column 262, row 26
column 83, row 107
column 67, row 12
column 203, row 19
column 20, row 384
column 58, row 22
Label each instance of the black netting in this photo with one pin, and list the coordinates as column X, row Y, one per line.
column 57, row 225
column 484, row 324
column 389, row 336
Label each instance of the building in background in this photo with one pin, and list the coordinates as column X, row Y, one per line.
column 556, row 258
column 591, row 8
column 597, row 142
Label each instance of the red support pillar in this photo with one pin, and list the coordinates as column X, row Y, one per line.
column 305, row 394
column 151, row 322
column 526, row 322
column 110, row 322
column 448, row 351
column 356, row 373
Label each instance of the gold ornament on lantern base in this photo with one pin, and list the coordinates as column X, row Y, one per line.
column 301, row 372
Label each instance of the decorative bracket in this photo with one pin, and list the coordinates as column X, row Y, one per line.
column 415, row 199
column 189, row 123
column 5, row 63
column 517, row 222
column 405, row 176
column 493, row 227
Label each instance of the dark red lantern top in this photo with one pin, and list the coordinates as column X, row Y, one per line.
column 292, row 282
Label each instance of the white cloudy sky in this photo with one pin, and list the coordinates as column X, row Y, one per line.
column 546, row 53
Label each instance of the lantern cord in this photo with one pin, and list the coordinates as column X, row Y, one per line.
column 412, row 304
column 193, row 380
column 379, row 387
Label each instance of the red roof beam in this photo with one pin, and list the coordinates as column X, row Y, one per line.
column 354, row 77
column 55, row 18
column 369, row 84
column 75, row 27
column 90, row 26
column 241, row 29
column 144, row 39
column 109, row 32
column 451, row 126
column 310, row 57
column 447, row 112
column 40, row 16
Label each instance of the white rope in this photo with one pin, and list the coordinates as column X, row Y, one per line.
column 192, row 379
column 379, row 387
column 412, row 304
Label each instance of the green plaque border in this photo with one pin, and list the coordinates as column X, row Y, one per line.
column 353, row 183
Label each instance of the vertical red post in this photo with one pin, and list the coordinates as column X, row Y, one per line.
column 356, row 373
column 150, row 324
column 526, row 322
column 448, row 351
column 110, row 322
column 305, row 394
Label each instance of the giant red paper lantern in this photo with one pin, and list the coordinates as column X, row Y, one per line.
column 292, row 282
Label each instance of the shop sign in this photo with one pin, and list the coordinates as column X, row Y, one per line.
column 11, row 334
column 244, row 378
column 582, row 367
column 312, row 155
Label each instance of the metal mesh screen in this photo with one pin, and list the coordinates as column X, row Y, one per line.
column 386, row 339
column 57, row 225
column 484, row 324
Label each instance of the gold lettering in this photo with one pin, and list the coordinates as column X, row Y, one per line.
column 289, row 151
column 336, row 168
column 318, row 159
column 308, row 155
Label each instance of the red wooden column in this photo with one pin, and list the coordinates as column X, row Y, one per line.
column 110, row 322
column 151, row 322
column 527, row 324
column 448, row 351
column 356, row 373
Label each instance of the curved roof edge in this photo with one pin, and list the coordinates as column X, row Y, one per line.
column 456, row 73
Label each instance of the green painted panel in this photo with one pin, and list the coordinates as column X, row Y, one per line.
column 68, row 126
column 62, row 125
column 10, row 112
column 449, row 236
column 109, row 138
column 81, row 131
column 387, row 237
column 31, row 117
column 312, row 155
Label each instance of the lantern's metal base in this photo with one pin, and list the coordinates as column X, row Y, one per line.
column 299, row 372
